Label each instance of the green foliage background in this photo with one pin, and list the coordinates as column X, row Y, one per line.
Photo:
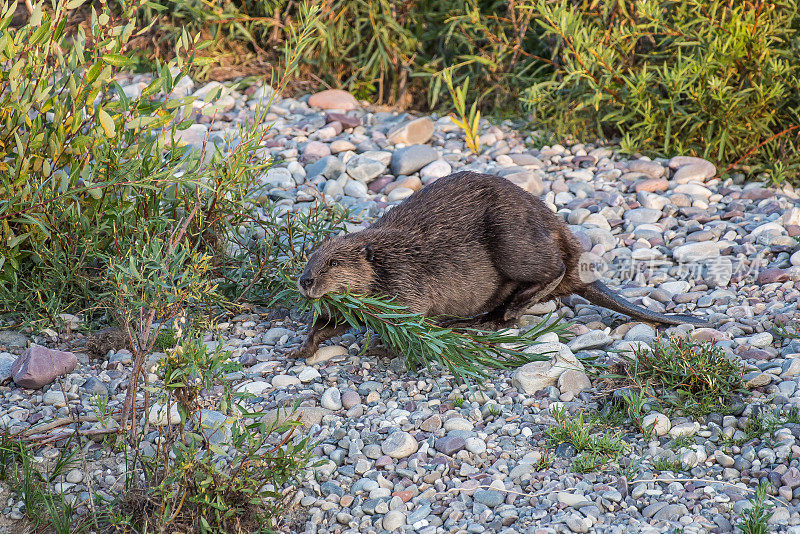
column 712, row 78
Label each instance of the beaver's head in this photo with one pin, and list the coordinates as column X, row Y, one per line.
column 339, row 264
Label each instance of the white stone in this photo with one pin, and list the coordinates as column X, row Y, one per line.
column 458, row 423
column 308, row 374
column 574, row 381
column 656, row 422
column 693, row 252
column 435, row 169
column 393, row 520
column 331, row 399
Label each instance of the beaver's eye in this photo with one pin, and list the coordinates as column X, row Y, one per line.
column 333, row 263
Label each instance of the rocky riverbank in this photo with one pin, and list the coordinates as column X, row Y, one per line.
column 413, row 452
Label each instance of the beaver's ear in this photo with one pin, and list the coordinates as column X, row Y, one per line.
column 369, row 252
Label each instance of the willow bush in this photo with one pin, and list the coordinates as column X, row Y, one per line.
column 712, row 78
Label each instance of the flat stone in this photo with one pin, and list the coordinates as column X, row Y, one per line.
column 13, row 339
column 772, row 276
column 347, row 121
column 6, row 362
column 329, row 167
column 458, row 423
column 306, row 415
column 214, row 425
column 684, row 430
column 694, row 252
column 434, row 422
column 650, row 168
column 412, row 158
column 308, row 374
column 435, row 169
column 490, row 498
column 158, row 415
column 285, row 381
column 652, row 185
column 450, row 445
column 333, row 99
column 314, row 151
column 594, row 339
column 642, row 216
column 326, row 353
column 364, row 169
column 393, row 520
column 414, row 132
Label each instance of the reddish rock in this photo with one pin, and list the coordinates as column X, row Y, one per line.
column 347, row 121
column 793, row 229
column 651, row 185
column 39, row 366
column 772, row 276
column 333, row 99
column 405, row 495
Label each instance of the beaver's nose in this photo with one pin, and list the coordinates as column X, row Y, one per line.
column 306, row 282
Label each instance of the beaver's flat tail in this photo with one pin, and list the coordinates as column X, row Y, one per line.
column 598, row 293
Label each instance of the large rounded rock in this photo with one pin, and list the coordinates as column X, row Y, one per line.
column 39, row 366
column 399, row 445
column 657, row 423
column 574, row 381
column 333, row 99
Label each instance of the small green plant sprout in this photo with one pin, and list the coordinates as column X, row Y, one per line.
column 664, row 464
column 466, row 353
column 458, row 401
column 495, row 410
column 754, row 520
column 787, row 330
column 545, row 461
column 468, row 122
column 596, row 447
column 696, row 378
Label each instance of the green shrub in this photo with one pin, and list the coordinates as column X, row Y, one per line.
column 711, row 78
column 232, row 473
column 696, row 378
column 84, row 170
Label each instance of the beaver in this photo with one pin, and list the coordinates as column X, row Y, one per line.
column 470, row 248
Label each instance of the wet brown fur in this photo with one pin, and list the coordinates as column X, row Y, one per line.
column 470, row 245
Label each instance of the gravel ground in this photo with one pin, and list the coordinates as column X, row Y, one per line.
column 413, row 452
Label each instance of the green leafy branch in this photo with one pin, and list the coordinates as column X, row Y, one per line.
column 468, row 353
